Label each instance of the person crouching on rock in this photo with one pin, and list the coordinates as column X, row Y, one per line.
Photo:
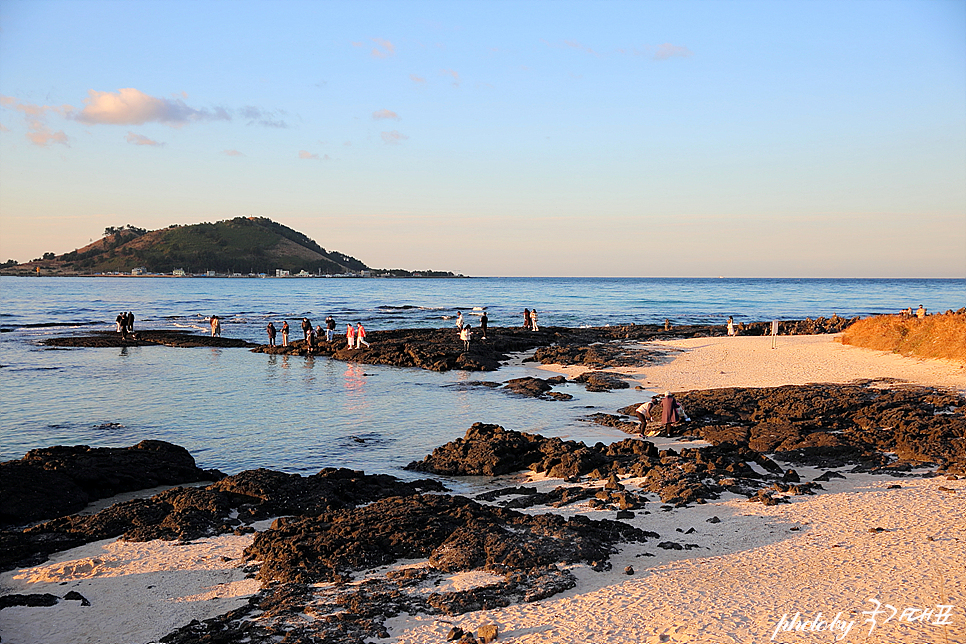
column 361, row 337
column 643, row 414
column 350, row 336
column 466, row 335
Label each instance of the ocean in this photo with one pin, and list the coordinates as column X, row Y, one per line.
column 235, row 410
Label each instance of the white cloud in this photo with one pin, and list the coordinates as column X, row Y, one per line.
column 305, row 154
column 392, row 138
column 416, row 79
column 383, row 48
column 129, row 106
column 138, row 139
column 454, row 74
column 384, row 114
column 42, row 135
column 667, row 50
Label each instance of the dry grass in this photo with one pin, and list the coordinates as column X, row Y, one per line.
column 935, row 336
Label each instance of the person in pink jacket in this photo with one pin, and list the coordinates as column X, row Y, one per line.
column 350, row 336
column 361, row 337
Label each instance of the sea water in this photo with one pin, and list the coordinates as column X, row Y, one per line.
column 236, row 410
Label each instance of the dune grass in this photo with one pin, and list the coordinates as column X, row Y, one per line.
column 935, row 336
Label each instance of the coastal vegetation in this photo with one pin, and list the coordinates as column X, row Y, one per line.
column 243, row 245
column 934, row 336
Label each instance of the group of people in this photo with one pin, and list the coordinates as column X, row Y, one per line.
column 466, row 331
column 125, row 323
column 920, row 312
column 530, row 319
column 355, row 335
column 672, row 413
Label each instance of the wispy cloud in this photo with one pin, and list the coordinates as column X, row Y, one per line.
column 258, row 116
column 305, row 154
column 384, row 114
column 43, row 136
column 138, row 139
column 453, row 73
column 667, row 50
column 383, row 48
column 584, row 48
column 393, row 138
column 129, row 106
column 36, row 117
column 4, row 128
column 233, row 153
column 416, row 79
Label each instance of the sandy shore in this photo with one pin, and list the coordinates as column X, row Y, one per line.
column 712, row 363
column 744, row 578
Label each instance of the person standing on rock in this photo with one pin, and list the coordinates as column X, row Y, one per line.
column 215, row 326
column 350, row 336
column 670, row 412
column 361, row 337
column 329, row 328
column 731, row 326
column 526, row 318
column 483, row 322
column 459, row 320
column 271, row 334
column 533, row 320
column 121, row 321
column 285, row 330
column 130, row 322
column 306, row 328
column 466, row 335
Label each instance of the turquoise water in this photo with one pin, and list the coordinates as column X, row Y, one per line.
column 236, row 410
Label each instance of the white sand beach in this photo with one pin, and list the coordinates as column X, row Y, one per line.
column 867, row 559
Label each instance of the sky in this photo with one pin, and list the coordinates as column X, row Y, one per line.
column 640, row 139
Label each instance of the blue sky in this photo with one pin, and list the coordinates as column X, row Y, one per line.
column 807, row 139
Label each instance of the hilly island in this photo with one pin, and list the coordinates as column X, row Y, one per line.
column 254, row 246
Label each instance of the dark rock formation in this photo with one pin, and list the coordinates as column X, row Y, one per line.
column 453, row 532
column 537, row 387
column 602, row 380
column 836, row 425
column 191, row 513
column 147, row 338
column 55, row 481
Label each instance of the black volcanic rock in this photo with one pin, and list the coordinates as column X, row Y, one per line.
column 453, row 532
column 55, row 481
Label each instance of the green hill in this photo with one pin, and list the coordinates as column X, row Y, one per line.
column 240, row 245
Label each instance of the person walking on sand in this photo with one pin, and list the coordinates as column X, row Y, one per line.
column 329, row 328
column 306, row 328
column 731, row 326
column 285, row 330
column 271, row 334
column 466, row 335
column 350, row 337
column 483, row 322
column 459, row 320
column 533, row 320
column 361, row 337
column 215, row 326
column 526, row 318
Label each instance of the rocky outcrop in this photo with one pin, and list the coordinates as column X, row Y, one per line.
column 602, row 380
column 836, row 425
column 146, row 338
column 454, row 533
column 55, row 481
column 190, row 513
